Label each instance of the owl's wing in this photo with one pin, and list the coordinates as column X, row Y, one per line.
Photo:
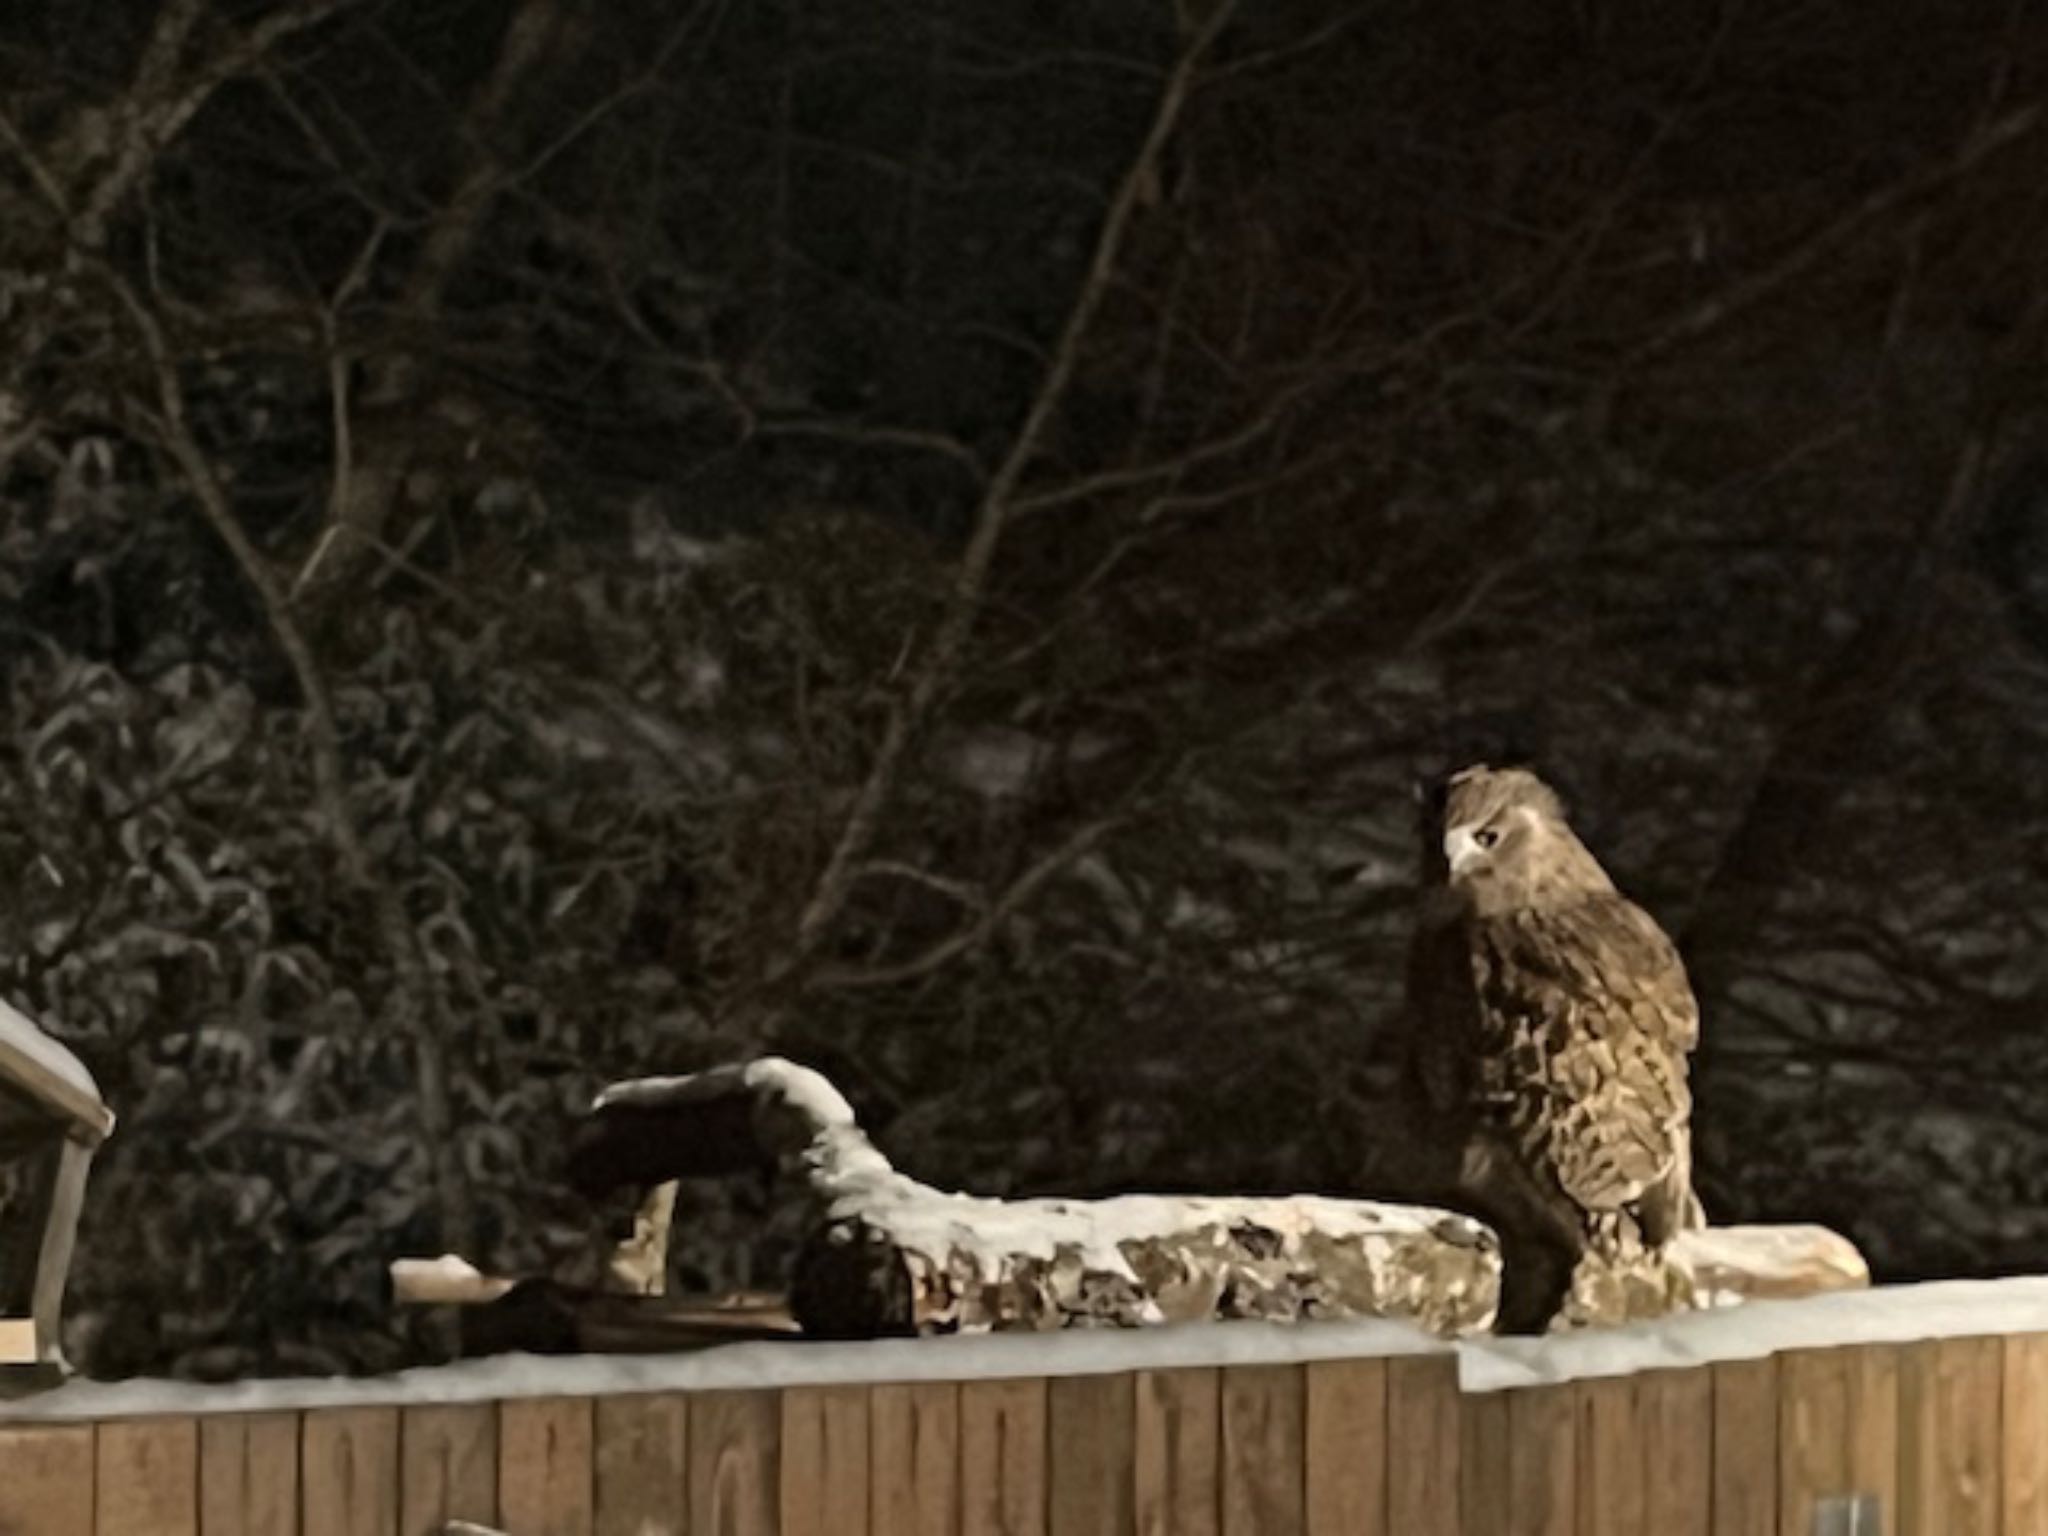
column 1645, row 955
column 1589, row 1017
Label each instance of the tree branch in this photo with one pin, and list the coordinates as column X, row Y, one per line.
column 941, row 660
column 972, row 935
column 415, row 994
column 1715, row 312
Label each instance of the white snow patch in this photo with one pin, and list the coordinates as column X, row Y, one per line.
column 976, row 1357
column 998, row 762
column 809, row 1093
column 1894, row 1315
column 450, row 1278
column 1903, row 1314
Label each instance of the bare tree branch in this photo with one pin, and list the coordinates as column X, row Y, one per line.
column 163, row 98
column 942, row 656
column 357, row 521
column 1713, row 313
column 974, row 934
column 416, row 996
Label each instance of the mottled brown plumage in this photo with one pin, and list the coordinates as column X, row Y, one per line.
column 1552, row 1020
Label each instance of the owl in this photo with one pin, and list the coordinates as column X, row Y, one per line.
column 1551, row 1020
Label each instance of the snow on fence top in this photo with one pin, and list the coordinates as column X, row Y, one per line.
column 1894, row 1315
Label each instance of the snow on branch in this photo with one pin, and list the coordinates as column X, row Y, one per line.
column 887, row 1254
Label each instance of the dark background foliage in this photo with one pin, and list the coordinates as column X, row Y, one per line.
column 541, row 541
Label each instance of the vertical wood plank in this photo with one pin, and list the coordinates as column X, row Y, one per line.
column 546, row 1477
column 1178, row 1457
column 2024, row 1433
column 1919, row 1440
column 1347, row 1448
column 348, row 1472
column 1746, row 1448
column 1678, row 1446
column 1813, row 1404
column 825, row 1455
column 1091, row 1429
column 47, row 1486
column 1423, row 1477
column 1002, row 1458
column 734, row 1449
column 249, row 1474
column 1484, row 1464
column 147, row 1477
column 1543, row 1462
column 1950, row 1393
column 914, row 1443
column 1612, row 1497
column 1264, row 1450
column 1872, row 1425
column 642, row 1441
column 1838, row 1429
column 447, row 1466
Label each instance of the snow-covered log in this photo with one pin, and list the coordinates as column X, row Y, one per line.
column 1731, row 1264
column 889, row 1255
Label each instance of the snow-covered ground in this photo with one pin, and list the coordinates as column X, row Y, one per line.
column 1900, row 1314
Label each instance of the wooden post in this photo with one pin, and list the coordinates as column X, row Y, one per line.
column 1178, row 1452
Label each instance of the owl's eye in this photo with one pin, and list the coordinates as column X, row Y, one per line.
column 1486, row 837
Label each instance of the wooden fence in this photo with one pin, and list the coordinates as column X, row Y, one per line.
column 1948, row 1437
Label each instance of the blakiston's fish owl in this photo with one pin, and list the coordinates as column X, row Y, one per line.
column 1551, row 1022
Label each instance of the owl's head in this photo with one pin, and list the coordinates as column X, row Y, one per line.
column 1502, row 840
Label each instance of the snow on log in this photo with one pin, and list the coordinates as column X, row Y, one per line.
column 889, row 1255
column 1731, row 1264
column 449, row 1280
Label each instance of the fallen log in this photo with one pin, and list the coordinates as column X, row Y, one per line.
column 887, row 1254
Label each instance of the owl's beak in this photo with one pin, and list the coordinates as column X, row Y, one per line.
column 1460, row 848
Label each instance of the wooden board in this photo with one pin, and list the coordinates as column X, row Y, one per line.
column 47, row 1489
column 147, row 1478
column 1423, row 1474
column 825, row 1461
column 914, row 1459
column 447, row 1466
column 1813, row 1397
column 2024, row 1435
column 93, row 1118
column 1177, row 1467
column 1543, row 1462
column 348, row 1472
column 1002, row 1458
column 1745, row 1475
column 1950, row 1393
column 1485, row 1502
column 1613, row 1499
column 1347, row 1448
column 734, row 1450
column 546, row 1474
column 1838, row 1429
column 249, row 1474
column 1678, row 1451
column 1091, row 1428
column 642, row 1466
column 1265, row 1424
